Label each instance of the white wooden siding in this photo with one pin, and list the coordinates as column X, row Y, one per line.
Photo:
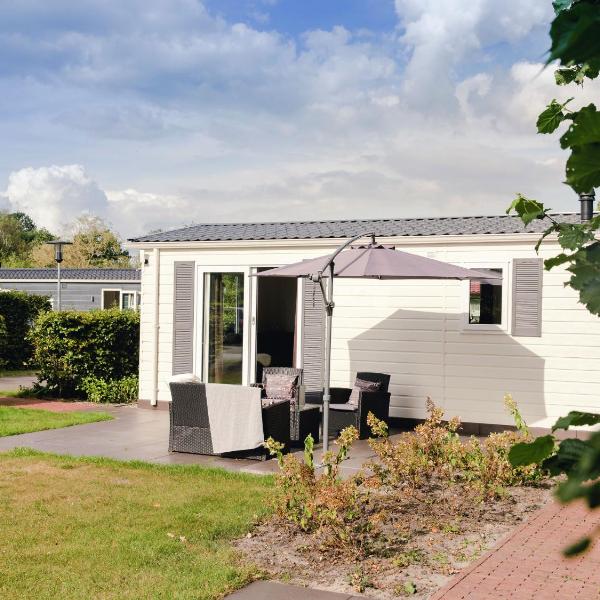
column 414, row 330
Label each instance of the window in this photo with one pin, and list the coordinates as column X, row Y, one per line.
column 128, row 300
column 120, row 299
column 486, row 304
column 111, row 298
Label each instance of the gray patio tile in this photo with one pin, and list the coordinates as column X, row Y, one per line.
column 270, row 590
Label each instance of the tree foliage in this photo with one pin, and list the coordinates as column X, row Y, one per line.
column 575, row 44
column 94, row 245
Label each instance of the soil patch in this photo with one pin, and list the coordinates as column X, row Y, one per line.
column 424, row 539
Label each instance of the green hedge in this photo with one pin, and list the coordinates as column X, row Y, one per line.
column 117, row 391
column 71, row 346
column 19, row 311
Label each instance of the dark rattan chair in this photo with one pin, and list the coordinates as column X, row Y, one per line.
column 295, row 403
column 342, row 414
column 190, row 428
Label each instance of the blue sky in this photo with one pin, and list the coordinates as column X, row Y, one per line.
column 160, row 113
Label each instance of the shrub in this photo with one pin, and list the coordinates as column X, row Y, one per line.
column 19, row 311
column 324, row 502
column 3, row 342
column 71, row 346
column 435, row 450
column 116, row 391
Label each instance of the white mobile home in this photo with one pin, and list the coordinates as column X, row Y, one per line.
column 465, row 344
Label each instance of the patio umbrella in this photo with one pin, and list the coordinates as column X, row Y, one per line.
column 371, row 261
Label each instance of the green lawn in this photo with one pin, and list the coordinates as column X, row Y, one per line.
column 98, row 528
column 15, row 420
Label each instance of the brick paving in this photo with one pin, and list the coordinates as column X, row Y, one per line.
column 528, row 564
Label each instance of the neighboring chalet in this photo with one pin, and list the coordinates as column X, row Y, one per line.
column 464, row 344
column 81, row 289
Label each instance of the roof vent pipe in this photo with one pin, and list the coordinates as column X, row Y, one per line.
column 587, row 205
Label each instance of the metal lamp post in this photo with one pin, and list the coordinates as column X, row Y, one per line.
column 58, row 257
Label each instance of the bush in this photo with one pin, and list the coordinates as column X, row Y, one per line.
column 116, row 391
column 19, row 311
column 71, row 346
column 435, row 450
column 320, row 502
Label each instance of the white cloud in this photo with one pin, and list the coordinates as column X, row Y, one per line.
column 440, row 35
column 54, row 196
column 192, row 118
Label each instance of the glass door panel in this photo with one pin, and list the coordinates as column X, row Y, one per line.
column 225, row 331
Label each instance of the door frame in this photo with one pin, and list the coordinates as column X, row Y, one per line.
column 202, row 308
column 254, row 315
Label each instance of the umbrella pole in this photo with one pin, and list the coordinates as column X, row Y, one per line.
column 327, row 389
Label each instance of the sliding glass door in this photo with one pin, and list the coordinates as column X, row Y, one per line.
column 224, row 331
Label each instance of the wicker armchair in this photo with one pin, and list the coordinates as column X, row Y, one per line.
column 342, row 414
column 190, row 428
column 297, row 400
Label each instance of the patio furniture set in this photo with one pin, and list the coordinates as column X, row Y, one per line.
column 196, row 415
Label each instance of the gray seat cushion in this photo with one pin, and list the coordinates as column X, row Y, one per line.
column 344, row 407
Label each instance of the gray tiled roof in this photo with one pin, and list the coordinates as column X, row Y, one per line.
column 212, row 232
column 84, row 274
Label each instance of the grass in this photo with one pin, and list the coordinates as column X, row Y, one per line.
column 15, row 420
column 97, row 528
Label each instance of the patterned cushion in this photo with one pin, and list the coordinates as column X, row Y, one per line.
column 360, row 385
column 278, row 385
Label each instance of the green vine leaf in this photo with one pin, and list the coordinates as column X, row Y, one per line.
column 578, row 547
column 572, row 236
column 585, row 128
column 556, row 261
column 575, row 419
column 528, row 453
column 528, row 210
column 568, row 456
column 575, row 34
column 560, row 5
column 550, row 119
column 583, row 168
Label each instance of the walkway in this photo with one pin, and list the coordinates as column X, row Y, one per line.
column 529, row 563
column 141, row 434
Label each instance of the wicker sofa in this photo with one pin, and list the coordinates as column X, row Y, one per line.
column 342, row 414
column 190, row 428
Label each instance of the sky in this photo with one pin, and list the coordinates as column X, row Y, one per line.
column 156, row 114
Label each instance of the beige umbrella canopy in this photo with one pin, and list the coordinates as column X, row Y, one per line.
column 372, row 261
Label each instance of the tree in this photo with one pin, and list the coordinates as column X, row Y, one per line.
column 94, row 245
column 575, row 44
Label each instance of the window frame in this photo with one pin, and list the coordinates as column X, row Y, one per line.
column 504, row 325
column 135, row 305
column 109, row 290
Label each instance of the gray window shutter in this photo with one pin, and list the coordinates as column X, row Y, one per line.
column 313, row 338
column 527, row 297
column 183, row 318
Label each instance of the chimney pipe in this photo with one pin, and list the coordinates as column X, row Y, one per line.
column 587, row 205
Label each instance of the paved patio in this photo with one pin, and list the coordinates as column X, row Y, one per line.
column 143, row 434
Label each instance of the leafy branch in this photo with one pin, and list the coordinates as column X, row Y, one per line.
column 575, row 44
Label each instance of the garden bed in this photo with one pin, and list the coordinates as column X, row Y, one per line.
column 428, row 504
column 428, row 539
